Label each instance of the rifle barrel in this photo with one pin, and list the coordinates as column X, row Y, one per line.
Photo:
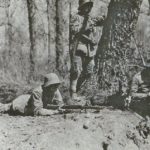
column 75, row 107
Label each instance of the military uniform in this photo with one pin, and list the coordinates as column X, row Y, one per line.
column 85, row 38
column 36, row 103
column 140, row 90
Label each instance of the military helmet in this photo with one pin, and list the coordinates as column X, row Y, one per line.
column 50, row 79
column 83, row 2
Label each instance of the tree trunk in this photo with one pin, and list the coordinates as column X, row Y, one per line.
column 9, row 27
column 8, row 30
column 49, row 32
column 149, row 6
column 60, row 36
column 112, row 50
column 32, row 33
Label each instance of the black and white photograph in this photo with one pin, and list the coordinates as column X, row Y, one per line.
column 74, row 74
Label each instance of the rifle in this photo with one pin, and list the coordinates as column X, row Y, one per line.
column 80, row 107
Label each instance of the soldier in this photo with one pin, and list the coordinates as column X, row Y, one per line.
column 85, row 40
column 140, row 91
column 36, row 103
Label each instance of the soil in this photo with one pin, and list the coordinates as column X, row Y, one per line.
column 108, row 129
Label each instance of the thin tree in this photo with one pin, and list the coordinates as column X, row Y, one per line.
column 149, row 6
column 49, row 32
column 59, row 36
column 8, row 29
column 32, row 33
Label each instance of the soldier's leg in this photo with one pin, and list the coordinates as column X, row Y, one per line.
column 88, row 68
column 75, row 71
column 82, row 77
column 19, row 105
column 5, row 108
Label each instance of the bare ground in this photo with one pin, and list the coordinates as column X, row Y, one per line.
column 107, row 130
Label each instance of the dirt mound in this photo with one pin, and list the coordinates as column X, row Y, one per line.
column 106, row 130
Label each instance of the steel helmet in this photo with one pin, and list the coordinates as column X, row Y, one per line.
column 50, row 79
column 83, row 2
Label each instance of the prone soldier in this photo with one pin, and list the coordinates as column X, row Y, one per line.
column 37, row 102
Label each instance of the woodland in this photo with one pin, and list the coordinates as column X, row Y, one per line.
column 35, row 40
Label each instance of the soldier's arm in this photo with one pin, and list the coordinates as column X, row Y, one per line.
column 75, row 24
column 58, row 100
column 38, row 106
column 99, row 21
column 134, row 90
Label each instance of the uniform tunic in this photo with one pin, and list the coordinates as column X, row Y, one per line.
column 36, row 103
column 84, row 38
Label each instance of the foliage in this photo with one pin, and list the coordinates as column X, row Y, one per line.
column 120, row 65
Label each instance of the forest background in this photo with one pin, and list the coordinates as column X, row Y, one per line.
column 35, row 40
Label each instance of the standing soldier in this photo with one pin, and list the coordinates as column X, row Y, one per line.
column 84, row 44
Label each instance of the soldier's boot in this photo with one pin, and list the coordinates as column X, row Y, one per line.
column 4, row 108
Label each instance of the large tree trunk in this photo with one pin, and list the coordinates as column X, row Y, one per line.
column 115, row 42
column 32, row 33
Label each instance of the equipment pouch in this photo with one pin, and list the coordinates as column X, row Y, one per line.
column 82, row 49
